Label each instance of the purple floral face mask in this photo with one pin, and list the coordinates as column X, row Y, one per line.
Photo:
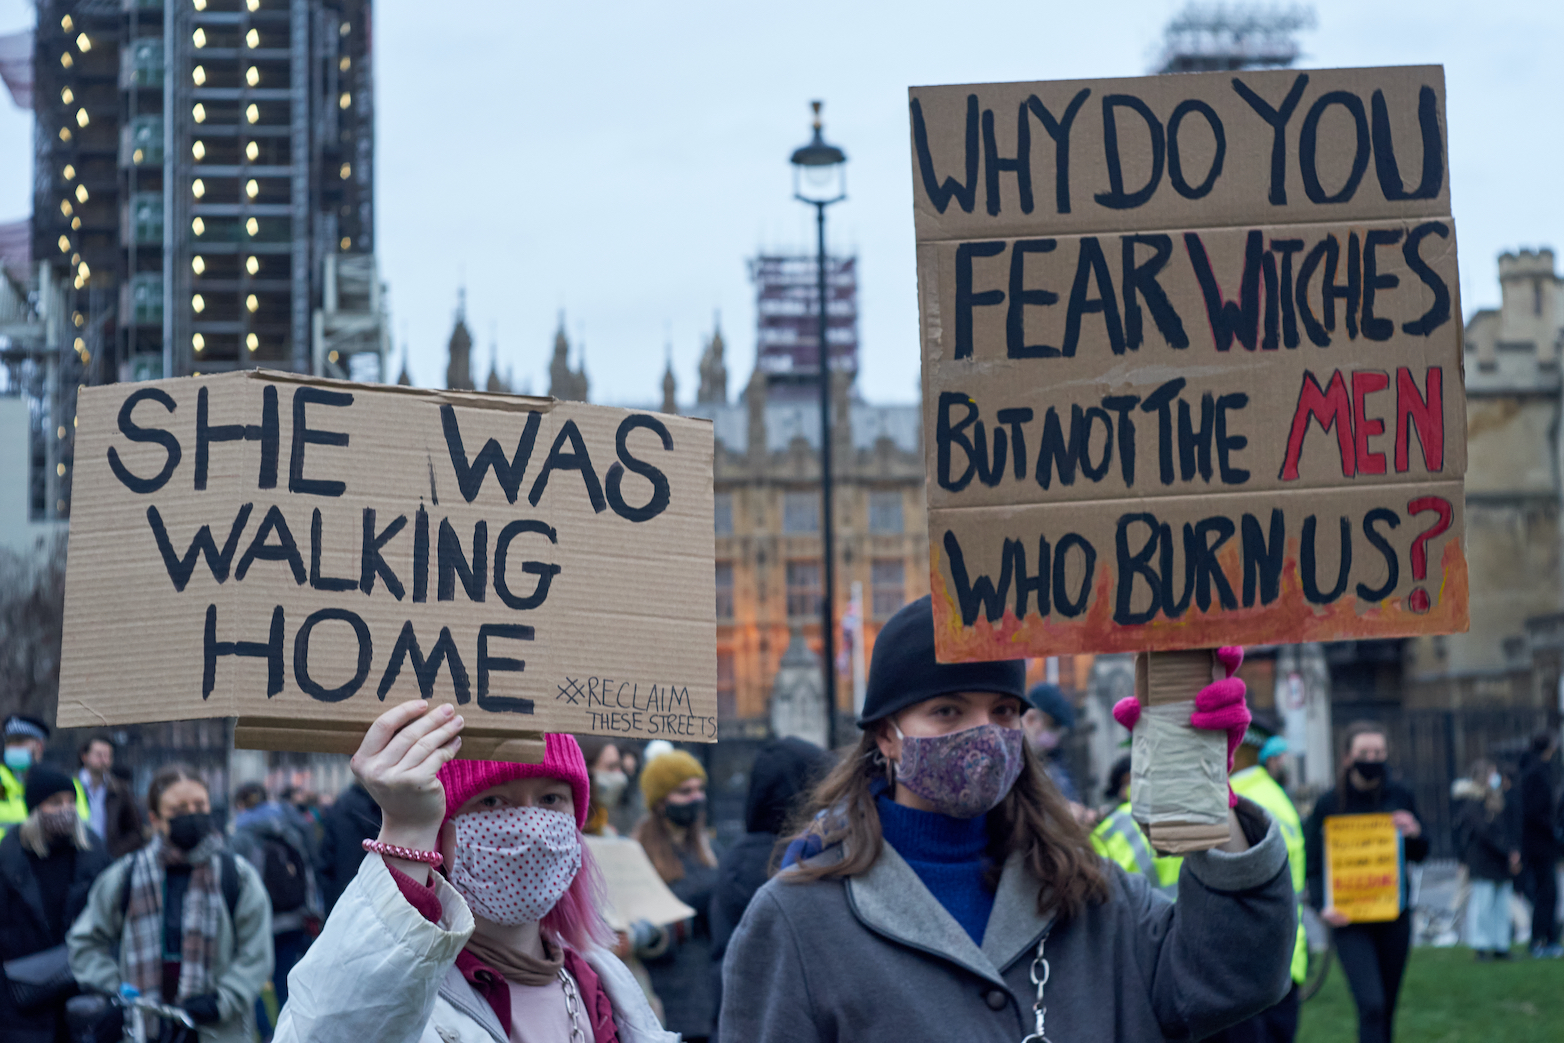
column 964, row 774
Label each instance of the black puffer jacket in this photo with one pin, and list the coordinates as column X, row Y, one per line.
column 39, row 900
column 681, row 975
column 1485, row 839
column 352, row 819
column 779, row 782
column 1539, row 815
column 782, row 775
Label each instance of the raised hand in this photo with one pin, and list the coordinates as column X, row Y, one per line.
column 1127, row 712
column 1220, row 704
column 1218, row 707
column 397, row 762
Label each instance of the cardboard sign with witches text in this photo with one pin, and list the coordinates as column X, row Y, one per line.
column 1192, row 361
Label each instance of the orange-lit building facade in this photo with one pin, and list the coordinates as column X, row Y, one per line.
column 767, row 522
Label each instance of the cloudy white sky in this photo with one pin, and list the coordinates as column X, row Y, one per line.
column 621, row 161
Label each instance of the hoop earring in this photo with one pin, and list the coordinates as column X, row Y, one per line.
column 876, row 759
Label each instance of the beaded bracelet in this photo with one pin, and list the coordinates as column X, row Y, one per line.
column 433, row 859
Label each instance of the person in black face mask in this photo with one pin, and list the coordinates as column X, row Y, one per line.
column 182, row 920
column 673, row 832
column 1373, row 955
column 47, row 866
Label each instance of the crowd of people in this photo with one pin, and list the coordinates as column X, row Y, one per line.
column 1507, row 834
column 947, row 871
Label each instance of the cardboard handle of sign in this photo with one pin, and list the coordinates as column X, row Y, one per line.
column 270, row 733
column 1170, row 677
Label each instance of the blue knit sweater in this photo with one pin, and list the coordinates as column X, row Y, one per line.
column 948, row 854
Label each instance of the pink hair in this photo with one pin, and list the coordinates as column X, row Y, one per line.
column 577, row 919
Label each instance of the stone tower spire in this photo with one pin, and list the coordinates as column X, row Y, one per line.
column 714, row 372
column 405, row 380
column 458, row 371
column 564, row 383
column 495, row 383
column 670, row 385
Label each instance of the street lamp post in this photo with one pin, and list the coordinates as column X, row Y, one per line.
column 820, row 179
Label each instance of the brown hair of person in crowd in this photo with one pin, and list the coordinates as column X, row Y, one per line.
column 167, row 776
column 654, row 834
column 90, row 741
column 1033, row 819
column 1493, row 799
column 1355, row 729
column 592, row 747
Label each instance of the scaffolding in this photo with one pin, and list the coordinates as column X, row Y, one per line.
column 203, row 191
column 787, row 319
column 1229, row 37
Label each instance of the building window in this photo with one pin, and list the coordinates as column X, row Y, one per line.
column 146, row 140
column 722, row 514
column 727, row 686
column 724, row 590
column 888, row 581
column 146, row 296
column 885, row 514
column 146, row 62
column 148, row 224
column 803, row 588
column 801, row 513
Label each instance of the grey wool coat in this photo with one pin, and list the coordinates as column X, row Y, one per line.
column 877, row 957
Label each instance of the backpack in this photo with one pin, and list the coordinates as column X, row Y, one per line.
column 229, row 883
column 283, row 872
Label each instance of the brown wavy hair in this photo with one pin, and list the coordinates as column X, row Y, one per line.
column 166, row 777
column 1033, row 819
column 1355, row 729
column 656, row 835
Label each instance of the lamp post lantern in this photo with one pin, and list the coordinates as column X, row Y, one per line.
column 820, row 179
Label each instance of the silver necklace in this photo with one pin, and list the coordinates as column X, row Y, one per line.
column 1040, row 979
column 572, row 1006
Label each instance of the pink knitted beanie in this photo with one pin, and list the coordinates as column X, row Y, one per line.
column 561, row 760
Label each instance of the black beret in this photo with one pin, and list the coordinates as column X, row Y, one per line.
column 904, row 671
column 43, row 782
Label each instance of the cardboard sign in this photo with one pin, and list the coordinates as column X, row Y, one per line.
column 303, row 554
column 1192, row 361
column 635, row 891
column 1363, row 867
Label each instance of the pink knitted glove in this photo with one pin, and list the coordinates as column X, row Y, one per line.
column 1219, row 707
column 1127, row 712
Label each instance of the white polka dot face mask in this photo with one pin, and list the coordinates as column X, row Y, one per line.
column 513, row 864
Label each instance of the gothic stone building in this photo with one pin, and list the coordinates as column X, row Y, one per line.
column 767, row 521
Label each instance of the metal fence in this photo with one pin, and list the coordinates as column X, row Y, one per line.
column 1430, row 749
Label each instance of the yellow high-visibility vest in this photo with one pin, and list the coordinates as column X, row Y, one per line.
column 1256, row 784
column 13, row 805
column 1119, row 839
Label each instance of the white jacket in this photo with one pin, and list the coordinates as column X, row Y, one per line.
column 380, row 971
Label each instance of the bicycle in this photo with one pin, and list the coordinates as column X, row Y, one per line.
column 97, row 1017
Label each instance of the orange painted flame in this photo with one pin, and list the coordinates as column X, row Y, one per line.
column 1290, row 619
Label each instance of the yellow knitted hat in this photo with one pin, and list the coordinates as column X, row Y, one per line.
column 667, row 773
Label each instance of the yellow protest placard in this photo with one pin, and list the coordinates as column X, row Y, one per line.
column 1363, row 867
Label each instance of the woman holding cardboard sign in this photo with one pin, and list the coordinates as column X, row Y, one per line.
column 474, row 917
column 1373, row 955
column 944, row 891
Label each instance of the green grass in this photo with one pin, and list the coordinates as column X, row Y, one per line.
column 1448, row 997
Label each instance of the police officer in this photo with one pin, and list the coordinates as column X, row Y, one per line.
column 1118, row 837
column 1263, row 784
column 25, row 738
